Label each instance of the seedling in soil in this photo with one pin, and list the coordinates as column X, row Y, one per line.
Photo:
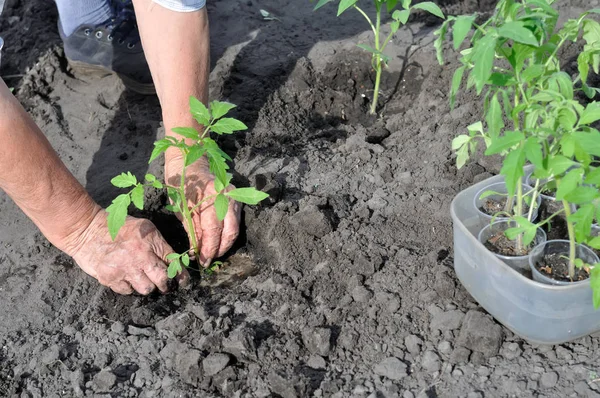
column 198, row 144
column 399, row 17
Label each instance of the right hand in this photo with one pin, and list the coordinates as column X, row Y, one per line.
column 135, row 260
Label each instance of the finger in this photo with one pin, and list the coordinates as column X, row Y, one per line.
column 141, row 283
column 183, row 278
column 211, row 229
column 231, row 228
column 157, row 273
column 121, row 287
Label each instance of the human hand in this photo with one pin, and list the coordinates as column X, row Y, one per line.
column 135, row 260
column 214, row 237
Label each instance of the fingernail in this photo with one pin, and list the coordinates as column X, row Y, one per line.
column 208, row 262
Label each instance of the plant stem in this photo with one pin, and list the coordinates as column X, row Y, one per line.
column 533, row 200
column 364, row 14
column 185, row 211
column 572, row 246
column 377, row 65
column 519, row 212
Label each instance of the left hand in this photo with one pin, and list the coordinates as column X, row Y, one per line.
column 214, row 237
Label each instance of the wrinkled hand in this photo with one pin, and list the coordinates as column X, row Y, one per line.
column 214, row 237
column 134, row 261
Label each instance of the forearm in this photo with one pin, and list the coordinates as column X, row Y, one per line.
column 36, row 179
column 177, row 50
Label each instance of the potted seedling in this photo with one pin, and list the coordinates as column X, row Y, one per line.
column 198, row 144
column 399, row 17
column 512, row 61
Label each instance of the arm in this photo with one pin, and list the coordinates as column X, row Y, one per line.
column 35, row 178
column 177, row 49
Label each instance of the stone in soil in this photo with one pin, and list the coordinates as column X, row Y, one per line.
column 317, row 340
column 392, row 368
column 480, row 333
column 214, row 363
column 104, row 380
column 445, row 321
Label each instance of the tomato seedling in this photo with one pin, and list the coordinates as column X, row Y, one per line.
column 199, row 144
column 399, row 17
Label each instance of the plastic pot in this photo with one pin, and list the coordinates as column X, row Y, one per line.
column 518, row 263
column 559, row 247
column 540, row 313
column 549, row 203
column 500, row 187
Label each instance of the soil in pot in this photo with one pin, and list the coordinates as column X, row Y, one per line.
column 494, row 206
column 503, row 246
column 556, row 266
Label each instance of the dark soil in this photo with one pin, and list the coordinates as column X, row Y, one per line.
column 342, row 284
column 556, row 266
column 495, row 206
column 500, row 244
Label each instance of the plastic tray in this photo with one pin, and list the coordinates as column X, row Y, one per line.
column 539, row 313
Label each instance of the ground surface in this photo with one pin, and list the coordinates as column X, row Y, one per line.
column 351, row 290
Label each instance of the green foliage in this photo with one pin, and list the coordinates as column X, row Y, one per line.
column 511, row 61
column 399, row 17
column 193, row 145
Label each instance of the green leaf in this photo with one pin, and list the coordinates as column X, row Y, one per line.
column 559, row 164
column 582, row 195
column 137, row 196
column 462, row 27
column 199, row 111
column 221, row 185
column 505, row 142
column 124, row 180
column 406, row 3
column 583, row 219
column 589, row 140
column 459, row 141
column 159, row 147
column 494, row 117
column 218, row 166
column 344, row 5
column 401, row 16
column 484, row 52
column 532, row 72
column 157, row 184
column 456, row 80
column 211, row 146
column 533, row 152
column 194, row 153
column 462, row 156
column 568, row 183
column 219, row 109
column 321, row 3
column 591, row 113
column 391, row 4
column 221, row 206
column 593, row 177
column 489, row 192
column 172, row 208
column 117, row 213
column 512, row 169
column 228, row 125
column 185, row 259
column 174, row 268
column 187, row 132
column 430, row 7
column 517, row 31
column 172, row 256
column 438, row 43
column 567, row 118
column 250, row 196
column 150, row 177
